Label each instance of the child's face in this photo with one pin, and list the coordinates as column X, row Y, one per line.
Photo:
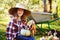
column 20, row 12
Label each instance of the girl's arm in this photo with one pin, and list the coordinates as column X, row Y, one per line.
column 10, row 32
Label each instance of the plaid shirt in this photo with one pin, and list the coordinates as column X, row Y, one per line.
column 13, row 29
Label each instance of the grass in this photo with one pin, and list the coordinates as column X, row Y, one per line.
column 3, row 24
column 2, row 32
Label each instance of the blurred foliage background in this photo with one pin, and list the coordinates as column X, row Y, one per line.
column 32, row 5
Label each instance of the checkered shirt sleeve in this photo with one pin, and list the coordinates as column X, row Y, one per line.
column 10, row 32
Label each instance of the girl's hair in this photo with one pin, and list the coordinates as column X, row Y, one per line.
column 13, row 11
column 24, row 18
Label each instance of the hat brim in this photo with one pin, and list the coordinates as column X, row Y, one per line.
column 26, row 12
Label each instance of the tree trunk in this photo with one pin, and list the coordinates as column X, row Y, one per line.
column 45, row 9
column 50, row 2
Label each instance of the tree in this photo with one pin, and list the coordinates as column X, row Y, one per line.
column 45, row 9
column 50, row 2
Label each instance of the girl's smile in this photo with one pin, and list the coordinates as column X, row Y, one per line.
column 20, row 12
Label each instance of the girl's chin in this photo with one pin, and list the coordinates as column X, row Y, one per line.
column 20, row 15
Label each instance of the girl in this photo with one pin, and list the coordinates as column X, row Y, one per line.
column 17, row 22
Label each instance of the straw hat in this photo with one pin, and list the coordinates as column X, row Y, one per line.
column 21, row 6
